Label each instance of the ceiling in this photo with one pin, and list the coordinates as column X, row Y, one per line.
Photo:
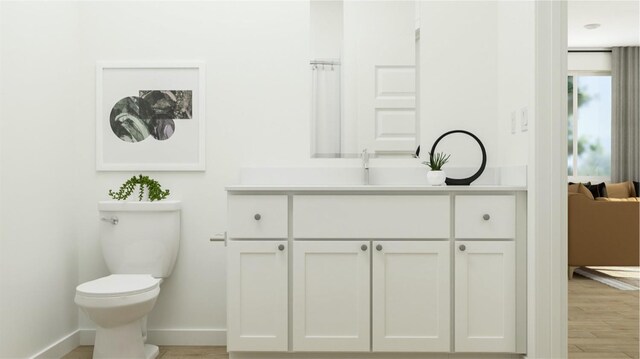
column 620, row 23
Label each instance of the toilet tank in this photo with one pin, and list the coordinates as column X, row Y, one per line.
column 140, row 237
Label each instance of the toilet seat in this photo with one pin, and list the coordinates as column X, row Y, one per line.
column 118, row 285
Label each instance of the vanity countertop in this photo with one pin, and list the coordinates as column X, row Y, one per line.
column 372, row 188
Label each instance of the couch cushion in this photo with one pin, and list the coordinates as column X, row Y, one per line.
column 619, row 190
column 598, row 190
column 573, row 187
column 584, row 190
column 629, row 199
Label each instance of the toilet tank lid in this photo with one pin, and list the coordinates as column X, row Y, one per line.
column 118, row 285
column 124, row 206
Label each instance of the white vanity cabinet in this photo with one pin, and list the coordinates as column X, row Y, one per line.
column 485, row 301
column 371, row 216
column 485, row 273
column 257, row 295
column 485, row 217
column 331, row 295
column 411, row 296
column 335, row 283
column 324, row 272
column 258, row 216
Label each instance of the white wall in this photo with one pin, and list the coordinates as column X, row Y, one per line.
column 477, row 66
column 258, row 106
column 516, row 79
column 326, row 29
column 458, row 78
column 38, row 251
column 589, row 61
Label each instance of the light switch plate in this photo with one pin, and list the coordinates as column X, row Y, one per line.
column 513, row 122
column 524, row 119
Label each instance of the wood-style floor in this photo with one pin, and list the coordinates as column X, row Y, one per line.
column 603, row 324
column 166, row 352
column 603, row 321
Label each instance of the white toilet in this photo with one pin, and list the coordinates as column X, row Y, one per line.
column 140, row 244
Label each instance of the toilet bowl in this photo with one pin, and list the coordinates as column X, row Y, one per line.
column 139, row 243
column 118, row 304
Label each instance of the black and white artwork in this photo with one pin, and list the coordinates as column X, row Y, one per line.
column 150, row 117
column 173, row 103
column 130, row 118
column 152, row 114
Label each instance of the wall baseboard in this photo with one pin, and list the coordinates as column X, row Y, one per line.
column 205, row 337
column 60, row 348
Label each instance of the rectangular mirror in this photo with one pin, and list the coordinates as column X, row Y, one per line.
column 363, row 78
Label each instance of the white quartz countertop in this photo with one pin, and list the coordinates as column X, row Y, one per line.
column 372, row 188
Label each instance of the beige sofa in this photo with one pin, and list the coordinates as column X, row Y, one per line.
column 603, row 231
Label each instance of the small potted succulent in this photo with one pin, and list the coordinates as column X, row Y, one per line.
column 154, row 190
column 436, row 176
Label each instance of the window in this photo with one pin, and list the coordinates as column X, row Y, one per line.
column 589, row 130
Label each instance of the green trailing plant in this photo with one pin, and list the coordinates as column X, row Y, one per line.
column 156, row 193
column 437, row 161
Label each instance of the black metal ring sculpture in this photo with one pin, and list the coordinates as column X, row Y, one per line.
column 462, row 181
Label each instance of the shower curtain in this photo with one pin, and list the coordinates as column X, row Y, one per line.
column 326, row 110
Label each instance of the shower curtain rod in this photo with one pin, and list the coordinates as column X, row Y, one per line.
column 324, row 62
column 590, row 50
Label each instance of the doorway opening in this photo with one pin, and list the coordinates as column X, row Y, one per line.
column 603, row 201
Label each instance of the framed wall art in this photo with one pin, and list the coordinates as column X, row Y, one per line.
column 150, row 116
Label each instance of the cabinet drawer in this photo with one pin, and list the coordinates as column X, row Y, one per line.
column 371, row 216
column 258, row 216
column 485, row 217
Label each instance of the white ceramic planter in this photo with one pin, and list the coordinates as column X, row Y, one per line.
column 436, row 178
column 136, row 192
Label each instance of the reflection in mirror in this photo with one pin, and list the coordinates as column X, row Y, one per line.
column 363, row 78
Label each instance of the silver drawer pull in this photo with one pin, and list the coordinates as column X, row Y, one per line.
column 113, row 220
column 462, row 247
column 364, row 247
column 486, row 217
column 257, row 216
column 379, row 247
column 281, row 247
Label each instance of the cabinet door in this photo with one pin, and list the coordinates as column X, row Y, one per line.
column 485, row 309
column 331, row 296
column 257, row 295
column 411, row 296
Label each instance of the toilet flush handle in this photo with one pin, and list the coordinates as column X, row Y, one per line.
column 113, row 220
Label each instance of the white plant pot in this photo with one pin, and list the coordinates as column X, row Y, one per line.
column 136, row 192
column 436, row 178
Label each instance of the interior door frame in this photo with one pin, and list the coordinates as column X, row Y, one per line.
column 547, row 189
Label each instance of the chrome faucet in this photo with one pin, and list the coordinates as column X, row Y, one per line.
column 365, row 166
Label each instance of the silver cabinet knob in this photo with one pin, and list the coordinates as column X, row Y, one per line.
column 281, row 247
column 364, row 247
column 257, row 216
column 462, row 247
column 379, row 247
column 486, row 217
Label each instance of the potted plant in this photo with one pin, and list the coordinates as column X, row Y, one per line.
column 154, row 190
column 436, row 176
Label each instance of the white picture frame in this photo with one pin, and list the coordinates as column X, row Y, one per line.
column 150, row 116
